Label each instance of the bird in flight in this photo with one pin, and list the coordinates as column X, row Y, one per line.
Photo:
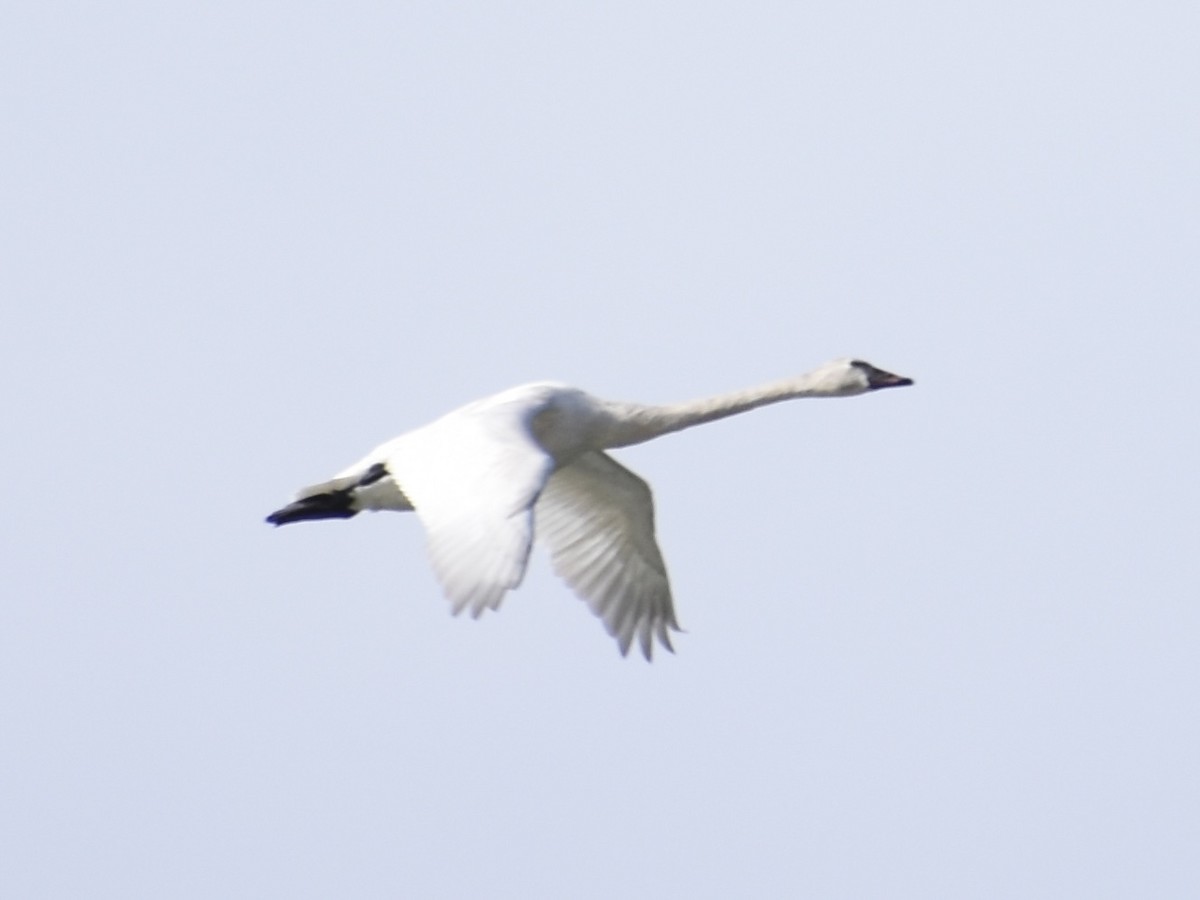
column 488, row 477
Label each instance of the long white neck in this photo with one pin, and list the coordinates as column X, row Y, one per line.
column 633, row 423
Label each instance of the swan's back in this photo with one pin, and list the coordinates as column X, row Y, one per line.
column 563, row 420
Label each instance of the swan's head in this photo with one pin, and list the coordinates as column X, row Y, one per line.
column 847, row 377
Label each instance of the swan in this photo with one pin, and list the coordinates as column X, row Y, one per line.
column 487, row 477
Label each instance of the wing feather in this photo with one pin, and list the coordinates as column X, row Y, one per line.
column 473, row 477
column 597, row 519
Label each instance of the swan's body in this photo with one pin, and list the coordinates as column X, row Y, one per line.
column 485, row 477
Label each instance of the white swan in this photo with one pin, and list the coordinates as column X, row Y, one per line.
column 478, row 477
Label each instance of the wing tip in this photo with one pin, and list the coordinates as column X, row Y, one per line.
column 646, row 633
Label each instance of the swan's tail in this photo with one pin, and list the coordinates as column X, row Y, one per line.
column 331, row 505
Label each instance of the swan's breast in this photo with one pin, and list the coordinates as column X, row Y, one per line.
column 567, row 423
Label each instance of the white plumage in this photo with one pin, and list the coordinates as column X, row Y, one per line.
column 488, row 477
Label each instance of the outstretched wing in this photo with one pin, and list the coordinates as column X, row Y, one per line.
column 473, row 477
column 597, row 518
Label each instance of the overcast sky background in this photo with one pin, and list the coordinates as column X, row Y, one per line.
column 941, row 642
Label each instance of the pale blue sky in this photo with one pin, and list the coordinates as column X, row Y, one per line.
column 942, row 642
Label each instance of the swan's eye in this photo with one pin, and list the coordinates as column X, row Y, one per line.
column 865, row 368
